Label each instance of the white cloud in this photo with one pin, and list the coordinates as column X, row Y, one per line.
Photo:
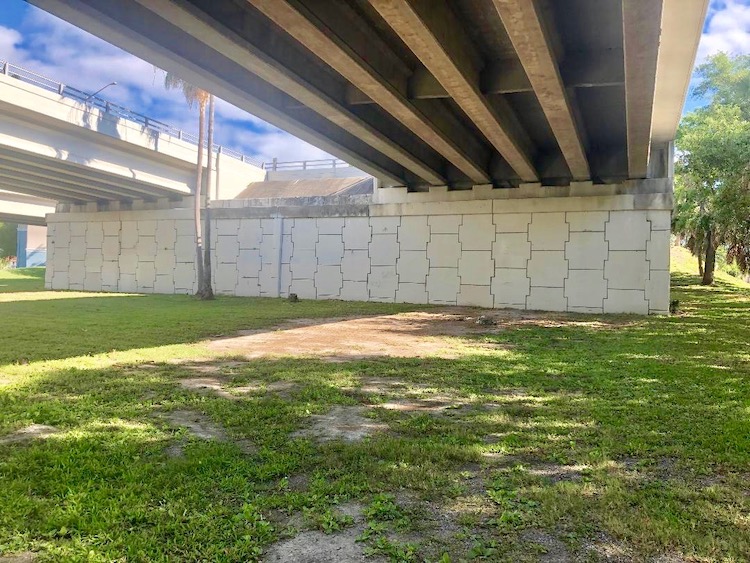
column 728, row 30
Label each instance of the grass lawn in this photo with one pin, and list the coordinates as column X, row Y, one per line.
column 575, row 438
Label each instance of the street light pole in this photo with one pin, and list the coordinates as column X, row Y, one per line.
column 98, row 91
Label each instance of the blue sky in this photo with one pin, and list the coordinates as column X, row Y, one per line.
column 31, row 38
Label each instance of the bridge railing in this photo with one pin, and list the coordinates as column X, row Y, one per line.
column 117, row 110
column 321, row 164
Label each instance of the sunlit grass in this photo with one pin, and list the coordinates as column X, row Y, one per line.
column 627, row 431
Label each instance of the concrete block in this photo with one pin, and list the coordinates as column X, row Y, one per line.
column 413, row 233
column 94, row 235
column 78, row 228
column 412, row 293
column 268, row 280
column 184, row 277
column 269, row 253
column 511, row 250
column 227, row 249
column 92, row 281
column 330, row 225
column 586, row 310
column 225, row 281
column 145, row 275
column 384, row 250
column 304, row 234
column 164, row 284
column 60, row 280
column 626, row 301
column 77, row 248
column 227, row 227
column 110, row 276
column 184, row 227
column 476, row 267
column 548, row 268
column 385, row 225
column 547, row 299
column 587, row 221
column 94, row 260
column 165, row 263
column 355, row 265
column 477, row 232
column 286, row 249
column 146, row 248
column 357, row 233
column 443, row 285
column 354, row 291
column 286, row 280
column 248, row 287
column 661, row 220
column 548, row 231
column 382, row 283
column 512, row 222
column 184, row 249
column 128, row 283
column 626, row 270
column 476, row 296
column 443, row 250
column 248, row 263
column 304, row 263
column 250, row 234
column 110, row 248
column 510, row 287
column 305, row 289
column 444, row 224
column 586, row 250
column 128, row 262
column 412, row 267
column 330, row 250
column 328, row 282
column 111, row 228
column 628, row 230
column 147, row 227
column 657, row 292
column 269, row 226
column 585, row 288
column 657, row 250
column 166, row 235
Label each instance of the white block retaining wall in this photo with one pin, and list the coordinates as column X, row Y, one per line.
column 593, row 254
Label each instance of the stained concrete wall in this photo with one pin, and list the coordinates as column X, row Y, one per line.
column 607, row 252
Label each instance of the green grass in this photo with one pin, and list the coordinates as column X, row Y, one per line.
column 654, row 413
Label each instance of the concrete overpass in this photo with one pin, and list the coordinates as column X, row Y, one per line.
column 435, row 92
column 23, row 209
column 57, row 145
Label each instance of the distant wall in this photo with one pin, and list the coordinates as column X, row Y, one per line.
column 338, row 172
column 31, row 246
column 607, row 252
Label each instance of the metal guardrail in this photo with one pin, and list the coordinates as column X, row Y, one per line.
column 111, row 108
column 306, row 164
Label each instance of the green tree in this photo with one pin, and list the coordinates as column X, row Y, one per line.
column 712, row 202
column 8, row 234
column 201, row 98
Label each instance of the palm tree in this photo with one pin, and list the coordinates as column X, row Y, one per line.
column 194, row 95
column 207, row 292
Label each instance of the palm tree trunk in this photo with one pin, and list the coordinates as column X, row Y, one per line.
column 207, row 291
column 700, row 264
column 199, row 195
column 710, row 264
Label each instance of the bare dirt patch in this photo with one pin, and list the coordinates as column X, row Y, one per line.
column 554, row 551
column 407, row 335
column 221, row 387
column 346, row 423
column 31, row 432
column 201, row 426
column 317, row 547
column 25, row 557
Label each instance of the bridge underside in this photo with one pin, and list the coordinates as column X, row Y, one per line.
column 429, row 92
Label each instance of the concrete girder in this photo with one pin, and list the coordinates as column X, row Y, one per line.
column 527, row 33
column 302, row 24
column 641, row 21
column 53, row 186
column 21, row 219
column 282, row 77
column 423, row 27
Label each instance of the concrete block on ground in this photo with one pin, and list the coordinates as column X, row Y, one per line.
column 357, row 233
column 510, row 287
column 477, row 232
column 305, row 289
column 354, row 291
column 412, row 267
column 444, row 224
column 626, row 269
column 476, row 267
column 548, row 231
column 585, row 288
column 657, row 291
column 384, row 250
column 548, row 268
column 382, row 282
column 547, row 299
column 626, row 301
column 413, row 233
column 385, row 225
column 250, row 234
column 328, row 282
column 476, row 296
column 657, row 250
column 443, row 285
column 586, row 250
column 268, row 280
column 330, row 250
column 412, row 293
column 511, row 250
column 627, row 230
column 586, row 310
column 587, row 221
column 443, row 251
